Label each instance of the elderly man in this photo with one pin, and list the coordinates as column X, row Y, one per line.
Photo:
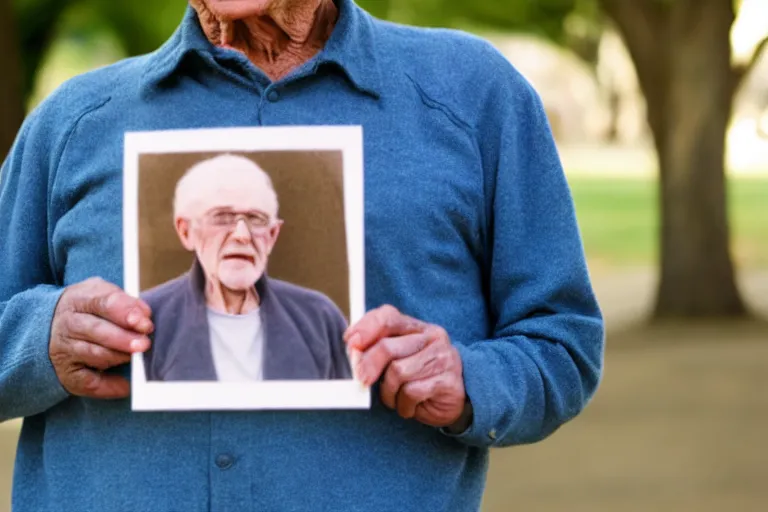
column 208, row 322
column 482, row 328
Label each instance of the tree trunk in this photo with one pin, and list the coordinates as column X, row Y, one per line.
column 681, row 52
column 697, row 274
column 11, row 96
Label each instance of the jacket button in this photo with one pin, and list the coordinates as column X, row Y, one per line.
column 273, row 95
column 224, row 461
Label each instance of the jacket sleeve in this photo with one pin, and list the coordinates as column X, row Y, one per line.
column 28, row 289
column 542, row 361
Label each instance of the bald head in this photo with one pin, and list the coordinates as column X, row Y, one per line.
column 225, row 211
column 226, row 181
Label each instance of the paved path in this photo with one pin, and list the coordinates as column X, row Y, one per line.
column 679, row 423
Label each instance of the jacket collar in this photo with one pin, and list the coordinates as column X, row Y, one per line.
column 286, row 354
column 351, row 47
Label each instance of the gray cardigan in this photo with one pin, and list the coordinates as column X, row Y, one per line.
column 303, row 332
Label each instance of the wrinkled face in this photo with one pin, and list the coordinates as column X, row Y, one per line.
column 232, row 228
column 237, row 9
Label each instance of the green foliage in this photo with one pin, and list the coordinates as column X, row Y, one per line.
column 543, row 17
column 37, row 27
column 379, row 8
column 576, row 24
column 582, row 30
column 139, row 25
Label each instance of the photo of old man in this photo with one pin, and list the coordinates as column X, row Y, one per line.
column 225, row 319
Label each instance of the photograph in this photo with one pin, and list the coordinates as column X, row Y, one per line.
column 247, row 245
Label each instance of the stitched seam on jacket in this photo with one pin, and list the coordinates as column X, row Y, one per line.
column 59, row 155
column 436, row 105
column 471, row 132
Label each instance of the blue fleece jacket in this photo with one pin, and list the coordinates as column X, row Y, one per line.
column 469, row 224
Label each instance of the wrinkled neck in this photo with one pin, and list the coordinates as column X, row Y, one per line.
column 234, row 302
column 287, row 36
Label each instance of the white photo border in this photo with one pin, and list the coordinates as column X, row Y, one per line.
column 265, row 395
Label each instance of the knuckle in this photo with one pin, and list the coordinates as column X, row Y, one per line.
column 388, row 310
column 388, row 348
column 109, row 300
column 98, row 295
column 79, row 350
column 93, row 282
column 440, row 362
column 92, row 302
column 99, row 332
column 73, row 324
column 90, row 382
column 438, row 333
column 388, row 315
column 398, row 370
column 412, row 391
column 94, row 353
column 89, row 287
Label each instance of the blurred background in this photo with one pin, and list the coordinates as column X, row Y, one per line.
column 660, row 112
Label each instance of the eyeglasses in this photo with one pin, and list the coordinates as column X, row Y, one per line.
column 256, row 221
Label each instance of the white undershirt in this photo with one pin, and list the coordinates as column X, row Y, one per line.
column 237, row 342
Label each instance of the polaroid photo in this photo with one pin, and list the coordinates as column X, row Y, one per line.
column 248, row 246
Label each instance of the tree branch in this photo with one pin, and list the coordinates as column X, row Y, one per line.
column 641, row 24
column 741, row 72
column 644, row 28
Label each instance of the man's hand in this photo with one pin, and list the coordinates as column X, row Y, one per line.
column 96, row 326
column 421, row 369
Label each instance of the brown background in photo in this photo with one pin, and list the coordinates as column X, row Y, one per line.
column 311, row 250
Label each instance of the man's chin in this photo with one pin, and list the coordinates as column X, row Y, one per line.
column 231, row 10
column 239, row 279
column 238, row 285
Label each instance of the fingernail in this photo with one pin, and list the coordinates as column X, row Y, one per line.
column 354, row 356
column 346, row 334
column 362, row 375
column 138, row 345
column 133, row 317
column 354, row 341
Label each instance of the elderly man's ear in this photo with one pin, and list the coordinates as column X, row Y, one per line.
column 185, row 235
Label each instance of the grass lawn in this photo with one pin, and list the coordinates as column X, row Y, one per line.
column 618, row 218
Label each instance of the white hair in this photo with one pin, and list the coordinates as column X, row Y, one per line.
column 195, row 181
